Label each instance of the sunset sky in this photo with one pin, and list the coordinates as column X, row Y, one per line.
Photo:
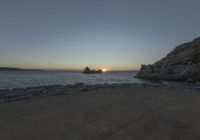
column 111, row 34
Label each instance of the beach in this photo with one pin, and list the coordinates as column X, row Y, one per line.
column 99, row 70
column 108, row 112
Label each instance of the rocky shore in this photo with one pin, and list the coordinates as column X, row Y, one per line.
column 17, row 94
column 182, row 64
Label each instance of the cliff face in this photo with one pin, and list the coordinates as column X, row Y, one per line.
column 182, row 64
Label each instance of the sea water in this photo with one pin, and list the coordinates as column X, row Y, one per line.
column 24, row 79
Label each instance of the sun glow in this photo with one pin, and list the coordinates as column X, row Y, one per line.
column 104, row 70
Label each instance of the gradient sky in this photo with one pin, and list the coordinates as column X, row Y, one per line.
column 112, row 34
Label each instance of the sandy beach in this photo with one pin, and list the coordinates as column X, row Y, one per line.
column 109, row 113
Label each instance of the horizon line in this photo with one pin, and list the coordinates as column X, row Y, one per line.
column 63, row 69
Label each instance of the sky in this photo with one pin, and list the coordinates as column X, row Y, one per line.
column 110, row 34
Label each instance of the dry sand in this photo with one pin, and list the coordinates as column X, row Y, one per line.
column 131, row 113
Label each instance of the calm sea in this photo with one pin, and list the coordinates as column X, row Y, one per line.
column 23, row 79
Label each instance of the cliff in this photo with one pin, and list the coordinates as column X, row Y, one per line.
column 182, row 64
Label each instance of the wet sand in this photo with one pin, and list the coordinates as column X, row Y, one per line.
column 109, row 113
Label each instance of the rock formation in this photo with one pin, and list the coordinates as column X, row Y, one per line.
column 17, row 69
column 89, row 71
column 182, row 64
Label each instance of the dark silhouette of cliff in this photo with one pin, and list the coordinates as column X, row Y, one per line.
column 182, row 64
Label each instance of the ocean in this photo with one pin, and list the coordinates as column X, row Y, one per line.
column 24, row 79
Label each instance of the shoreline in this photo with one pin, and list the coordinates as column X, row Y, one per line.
column 18, row 94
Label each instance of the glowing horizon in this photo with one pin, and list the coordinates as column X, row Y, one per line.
column 80, row 68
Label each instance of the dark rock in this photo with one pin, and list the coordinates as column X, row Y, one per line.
column 79, row 84
column 18, row 90
column 182, row 64
column 190, row 80
column 4, row 92
column 35, row 90
column 44, row 91
column 85, row 89
column 17, row 98
column 89, row 71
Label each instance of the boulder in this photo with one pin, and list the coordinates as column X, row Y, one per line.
column 181, row 64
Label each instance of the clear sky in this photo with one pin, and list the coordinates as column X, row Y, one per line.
column 112, row 34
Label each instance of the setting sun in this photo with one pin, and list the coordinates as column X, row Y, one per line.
column 104, row 70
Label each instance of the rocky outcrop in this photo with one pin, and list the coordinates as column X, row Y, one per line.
column 89, row 71
column 17, row 69
column 182, row 64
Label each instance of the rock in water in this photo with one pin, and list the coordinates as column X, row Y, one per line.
column 182, row 64
column 89, row 71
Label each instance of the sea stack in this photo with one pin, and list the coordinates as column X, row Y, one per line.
column 89, row 71
column 182, row 64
